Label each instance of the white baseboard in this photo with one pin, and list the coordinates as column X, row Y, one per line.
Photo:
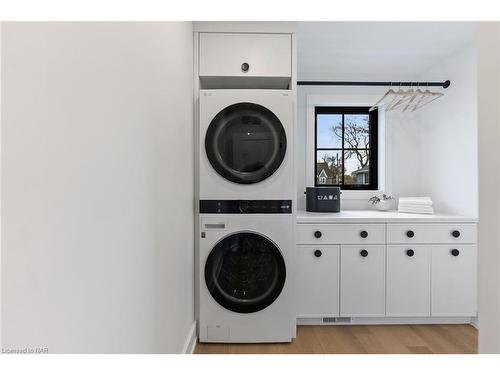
column 386, row 320
column 191, row 340
column 475, row 323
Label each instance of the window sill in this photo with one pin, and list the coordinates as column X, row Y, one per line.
column 360, row 194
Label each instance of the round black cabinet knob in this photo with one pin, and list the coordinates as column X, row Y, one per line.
column 245, row 67
column 455, row 252
column 363, row 253
column 317, row 253
column 317, row 234
column 455, row 233
column 410, row 252
column 363, row 234
column 410, row 234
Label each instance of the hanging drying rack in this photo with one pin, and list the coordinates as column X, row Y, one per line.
column 444, row 84
column 399, row 98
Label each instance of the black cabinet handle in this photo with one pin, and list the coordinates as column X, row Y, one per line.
column 455, row 233
column 455, row 252
column 245, row 67
column 410, row 252
column 317, row 253
column 410, row 234
column 363, row 253
column 363, row 234
column 317, row 234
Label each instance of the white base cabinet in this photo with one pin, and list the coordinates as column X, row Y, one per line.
column 390, row 271
column 362, row 283
column 317, row 290
column 454, row 280
column 408, row 281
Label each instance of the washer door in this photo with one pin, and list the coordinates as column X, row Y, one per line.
column 245, row 272
column 245, row 143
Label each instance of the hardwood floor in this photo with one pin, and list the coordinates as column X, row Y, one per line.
column 379, row 339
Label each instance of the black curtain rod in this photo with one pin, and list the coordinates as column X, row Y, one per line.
column 444, row 84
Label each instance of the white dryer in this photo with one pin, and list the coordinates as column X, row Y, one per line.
column 245, row 144
column 244, row 283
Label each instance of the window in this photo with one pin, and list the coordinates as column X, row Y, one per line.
column 346, row 147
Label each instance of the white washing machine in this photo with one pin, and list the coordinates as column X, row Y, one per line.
column 245, row 257
column 245, row 144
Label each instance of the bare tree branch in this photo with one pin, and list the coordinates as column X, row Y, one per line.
column 355, row 137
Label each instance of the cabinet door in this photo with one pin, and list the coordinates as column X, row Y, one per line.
column 317, row 281
column 408, row 281
column 454, row 280
column 245, row 55
column 362, row 281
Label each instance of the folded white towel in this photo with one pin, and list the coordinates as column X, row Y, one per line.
column 415, row 200
column 416, row 205
column 429, row 211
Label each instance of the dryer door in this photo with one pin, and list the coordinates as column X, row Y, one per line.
column 245, row 143
column 245, row 272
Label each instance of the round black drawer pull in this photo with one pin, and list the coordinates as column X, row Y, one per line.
column 245, row 67
column 455, row 233
column 410, row 234
column 455, row 252
column 363, row 234
column 317, row 234
column 363, row 253
column 410, row 252
column 317, row 253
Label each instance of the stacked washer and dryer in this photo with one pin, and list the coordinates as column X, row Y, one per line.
column 245, row 230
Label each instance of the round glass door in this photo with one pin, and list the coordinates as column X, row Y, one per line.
column 245, row 272
column 245, row 143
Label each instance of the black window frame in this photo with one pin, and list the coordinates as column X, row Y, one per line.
column 373, row 145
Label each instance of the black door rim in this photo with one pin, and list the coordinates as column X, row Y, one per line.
column 220, row 122
column 249, row 305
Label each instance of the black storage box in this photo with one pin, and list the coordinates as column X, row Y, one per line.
column 322, row 199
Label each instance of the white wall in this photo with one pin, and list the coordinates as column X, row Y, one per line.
column 432, row 151
column 448, row 136
column 97, row 187
column 489, row 187
column 375, row 50
column 1, row 346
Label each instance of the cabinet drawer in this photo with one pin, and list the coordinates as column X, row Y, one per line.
column 341, row 234
column 408, row 281
column 362, row 281
column 454, row 281
column 317, row 281
column 265, row 55
column 431, row 233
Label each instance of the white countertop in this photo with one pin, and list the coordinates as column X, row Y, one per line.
column 363, row 216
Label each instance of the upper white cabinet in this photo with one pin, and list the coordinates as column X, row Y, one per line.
column 245, row 55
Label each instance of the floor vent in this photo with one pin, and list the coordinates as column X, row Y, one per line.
column 336, row 320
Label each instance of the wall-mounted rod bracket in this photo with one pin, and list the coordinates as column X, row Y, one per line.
column 444, row 84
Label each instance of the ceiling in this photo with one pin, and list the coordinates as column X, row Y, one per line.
column 376, row 50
